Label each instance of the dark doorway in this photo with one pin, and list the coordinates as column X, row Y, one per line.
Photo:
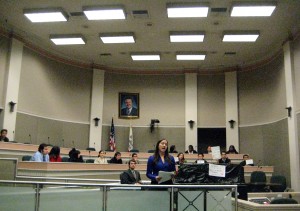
column 211, row 137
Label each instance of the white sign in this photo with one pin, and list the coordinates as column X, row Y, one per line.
column 216, row 170
column 200, row 162
column 216, row 152
column 248, row 162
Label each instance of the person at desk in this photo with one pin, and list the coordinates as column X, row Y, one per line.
column 232, row 150
column 42, row 154
column 208, row 150
column 201, row 159
column 224, row 160
column 244, row 162
column 134, row 156
column 131, row 176
column 116, row 159
column 160, row 161
column 3, row 135
column 101, row 159
column 173, row 149
column 129, row 110
column 191, row 150
column 75, row 156
column 181, row 159
column 54, row 154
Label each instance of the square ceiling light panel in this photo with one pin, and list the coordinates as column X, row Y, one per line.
column 46, row 15
column 187, row 10
column 145, row 57
column 104, row 13
column 67, row 39
column 240, row 37
column 117, row 38
column 186, row 36
column 252, row 10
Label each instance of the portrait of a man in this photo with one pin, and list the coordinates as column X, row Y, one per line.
column 128, row 105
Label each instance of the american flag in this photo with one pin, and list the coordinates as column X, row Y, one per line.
column 112, row 141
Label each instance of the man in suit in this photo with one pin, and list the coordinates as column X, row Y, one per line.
column 224, row 159
column 129, row 110
column 131, row 176
column 244, row 162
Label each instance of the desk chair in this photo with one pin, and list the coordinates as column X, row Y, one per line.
column 64, row 159
column 91, row 149
column 257, row 182
column 134, row 150
column 90, row 161
column 278, row 179
column 151, row 151
column 283, row 201
column 26, row 158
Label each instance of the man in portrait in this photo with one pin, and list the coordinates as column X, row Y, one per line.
column 129, row 110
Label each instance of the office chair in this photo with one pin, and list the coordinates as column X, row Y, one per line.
column 134, row 150
column 26, row 158
column 91, row 149
column 283, row 201
column 257, row 182
column 151, row 151
column 90, row 161
column 64, row 159
column 278, row 179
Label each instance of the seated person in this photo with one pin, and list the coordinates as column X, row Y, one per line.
column 224, row 159
column 41, row 155
column 131, row 176
column 116, row 159
column 232, row 150
column 134, row 156
column 3, row 135
column 54, row 154
column 191, row 150
column 208, row 151
column 101, row 159
column 173, row 149
column 75, row 156
column 181, row 159
column 244, row 162
column 201, row 159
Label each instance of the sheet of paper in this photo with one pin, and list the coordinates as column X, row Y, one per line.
column 216, row 152
column 200, row 162
column 250, row 161
column 176, row 159
column 165, row 176
column 217, row 170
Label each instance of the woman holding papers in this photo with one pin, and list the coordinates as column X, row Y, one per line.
column 161, row 165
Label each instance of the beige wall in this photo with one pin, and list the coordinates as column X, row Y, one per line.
column 296, row 49
column 4, row 47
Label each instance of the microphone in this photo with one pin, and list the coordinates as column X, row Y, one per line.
column 63, row 143
column 258, row 164
column 30, row 138
column 73, row 144
column 94, row 145
column 13, row 135
column 48, row 140
column 89, row 153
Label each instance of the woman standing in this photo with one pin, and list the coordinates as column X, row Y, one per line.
column 160, row 161
column 101, row 159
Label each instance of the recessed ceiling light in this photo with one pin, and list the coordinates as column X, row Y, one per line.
column 67, row 39
column 186, row 37
column 145, row 57
column 186, row 11
column 252, row 10
column 190, row 57
column 102, row 13
column 117, row 38
column 45, row 15
column 240, row 37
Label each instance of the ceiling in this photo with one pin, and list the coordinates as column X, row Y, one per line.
column 152, row 34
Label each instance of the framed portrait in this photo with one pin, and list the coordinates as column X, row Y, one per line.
column 129, row 105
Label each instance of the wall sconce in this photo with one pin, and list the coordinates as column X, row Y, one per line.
column 289, row 111
column 96, row 119
column 191, row 123
column 231, row 122
column 153, row 121
column 12, row 106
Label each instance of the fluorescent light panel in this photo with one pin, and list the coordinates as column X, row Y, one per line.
column 104, row 13
column 117, row 39
column 187, row 12
column 42, row 15
column 252, row 11
column 67, row 40
column 190, row 57
column 145, row 57
column 240, row 37
column 187, row 38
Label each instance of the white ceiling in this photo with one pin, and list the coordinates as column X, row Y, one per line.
column 152, row 34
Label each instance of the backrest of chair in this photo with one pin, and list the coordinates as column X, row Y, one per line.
column 151, row 151
column 283, row 201
column 64, row 159
column 91, row 149
column 258, row 176
column 280, row 180
column 134, row 150
column 90, row 161
column 26, row 158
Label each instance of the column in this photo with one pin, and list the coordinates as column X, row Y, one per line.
column 292, row 120
column 12, row 88
column 231, row 107
column 191, row 110
column 96, row 109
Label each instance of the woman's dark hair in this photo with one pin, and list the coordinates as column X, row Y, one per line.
column 100, row 152
column 232, row 149
column 55, row 151
column 180, row 153
column 156, row 153
column 116, row 154
column 172, row 148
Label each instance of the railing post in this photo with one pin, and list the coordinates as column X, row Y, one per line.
column 37, row 197
column 104, row 198
column 172, row 198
